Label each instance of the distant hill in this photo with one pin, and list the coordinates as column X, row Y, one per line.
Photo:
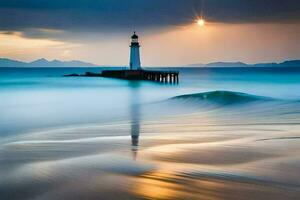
column 226, row 64
column 196, row 65
column 4, row 62
column 290, row 63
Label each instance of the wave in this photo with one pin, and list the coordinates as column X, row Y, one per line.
column 222, row 97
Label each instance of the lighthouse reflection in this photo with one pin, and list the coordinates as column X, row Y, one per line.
column 135, row 118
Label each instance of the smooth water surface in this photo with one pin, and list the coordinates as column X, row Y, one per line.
column 220, row 134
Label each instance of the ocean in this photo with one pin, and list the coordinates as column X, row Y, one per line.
column 221, row 133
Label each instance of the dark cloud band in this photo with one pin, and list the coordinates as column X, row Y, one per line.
column 128, row 14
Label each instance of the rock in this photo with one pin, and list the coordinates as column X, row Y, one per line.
column 68, row 75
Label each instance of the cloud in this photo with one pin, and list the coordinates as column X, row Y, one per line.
column 118, row 15
column 43, row 33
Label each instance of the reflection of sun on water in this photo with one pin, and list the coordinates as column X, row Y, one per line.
column 169, row 185
column 156, row 186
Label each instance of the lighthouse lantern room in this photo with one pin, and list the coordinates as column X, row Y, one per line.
column 135, row 61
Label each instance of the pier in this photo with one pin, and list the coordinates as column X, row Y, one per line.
column 171, row 77
column 167, row 77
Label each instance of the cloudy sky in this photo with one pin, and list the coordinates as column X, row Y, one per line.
column 98, row 31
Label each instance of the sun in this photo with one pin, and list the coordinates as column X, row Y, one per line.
column 201, row 22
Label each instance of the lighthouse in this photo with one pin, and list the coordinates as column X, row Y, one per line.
column 135, row 71
column 135, row 60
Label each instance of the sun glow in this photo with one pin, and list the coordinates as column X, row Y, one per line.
column 201, row 22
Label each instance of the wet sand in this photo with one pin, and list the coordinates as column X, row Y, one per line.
column 195, row 155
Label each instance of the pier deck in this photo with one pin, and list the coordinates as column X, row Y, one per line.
column 171, row 77
column 156, row 76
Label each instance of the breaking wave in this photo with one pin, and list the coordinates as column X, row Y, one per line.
column 222, row 98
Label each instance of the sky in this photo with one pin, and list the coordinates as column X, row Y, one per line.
column 99, row 31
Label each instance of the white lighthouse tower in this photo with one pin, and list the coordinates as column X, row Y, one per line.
column 135, row 60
